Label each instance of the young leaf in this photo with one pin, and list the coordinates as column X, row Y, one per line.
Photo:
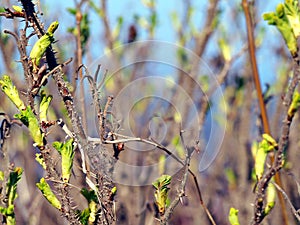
column 42, row 44
column 292, row 13
column 39, row 158
column 286, row 19
column 44, row 105
column 9, row 214
column 271, row 196
column 1, row 175
column 66, row 150
column 47, row 192
column 266, row 145
column 233, row 216
column 11, row 91
column 17, row 8
column 28, row 119
column 295, row 104
column 11, row 187
column 161, row 192
column 88, row 216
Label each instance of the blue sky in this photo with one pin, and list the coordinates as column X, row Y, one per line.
column 165, row 30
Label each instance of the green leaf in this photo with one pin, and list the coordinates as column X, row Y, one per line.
column 11, row 91
column 11, row 193
column 225, row 49
column 42, row 44
column 44, row 105
column 286, row 19
column 66, row 150
column 11, row 186
column 292, row 13
column 48, row 194
column 233, row 216
column 1, row 175
column 88, row 216
column 9, row 214
column 73, row 11
column 17, row 8
column 28, row 119
column 39, row 158
column 260, row 154
column 161, row 192
column 271, row 196
column 89, row 195
column 84, row 216
column 295, row 104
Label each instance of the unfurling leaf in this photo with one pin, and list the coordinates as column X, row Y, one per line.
column 11, row 91
column 11, row 194
column 66, row 150
column 42, row 44
column 88, row 216
column 28, row 119
column 266, row 145
column 11, row 188
column 48, row 194
column 161, row 192
column 287, row 20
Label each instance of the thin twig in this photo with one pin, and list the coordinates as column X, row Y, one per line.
column 295, row 212
column 126, row 139
column 260, row 97
column 181, row 192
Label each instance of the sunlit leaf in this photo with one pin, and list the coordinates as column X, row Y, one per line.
column 48, row 194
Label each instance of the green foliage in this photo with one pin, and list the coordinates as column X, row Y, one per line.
column 260, row 154
column 271, row 196
column 295, row 104
column 233, row 216
column 26, row 114
column 287, row 20
column 1, row 175
column 28, row 119
column 42, row 44
column 161, row 192
column 11, row 193
column 48, row 194
column 17, row 8
column 44, row 105
column 225, row 49
column 88, row 215
column 11, row 188
column 11, row 91
column 39, row 158
column 66, row 150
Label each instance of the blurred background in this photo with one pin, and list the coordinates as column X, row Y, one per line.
column 170, row 65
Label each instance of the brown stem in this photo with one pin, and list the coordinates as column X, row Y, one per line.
column 262, row 107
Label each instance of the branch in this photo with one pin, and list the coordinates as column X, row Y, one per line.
column 262, row 107
column 126, row 139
